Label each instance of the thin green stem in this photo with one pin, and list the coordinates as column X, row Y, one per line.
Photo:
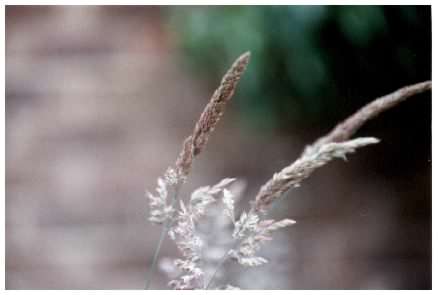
column 219, row 265
column 225, row 257
column 164, row 230
column 156, row 254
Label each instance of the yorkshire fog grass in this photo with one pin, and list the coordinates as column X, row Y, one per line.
column 182, row 219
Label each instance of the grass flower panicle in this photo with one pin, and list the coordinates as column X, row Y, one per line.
column 239, row 238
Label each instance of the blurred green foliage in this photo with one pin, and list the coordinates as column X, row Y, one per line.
column 310, row 64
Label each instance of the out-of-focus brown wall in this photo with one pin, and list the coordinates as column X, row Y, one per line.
column 91, row 121
column 97, row 106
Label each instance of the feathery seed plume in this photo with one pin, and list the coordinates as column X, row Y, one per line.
column 333, row 145
column 211, row 115
column 301, row 169
column 161, row 206
column 348, row 127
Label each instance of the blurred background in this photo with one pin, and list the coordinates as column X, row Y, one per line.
column 100, row 98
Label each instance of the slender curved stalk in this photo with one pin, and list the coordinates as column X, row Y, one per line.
column 219, row 265
column 156, row 254
column 348, row 127
column 164, row 230
column 299, row 170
